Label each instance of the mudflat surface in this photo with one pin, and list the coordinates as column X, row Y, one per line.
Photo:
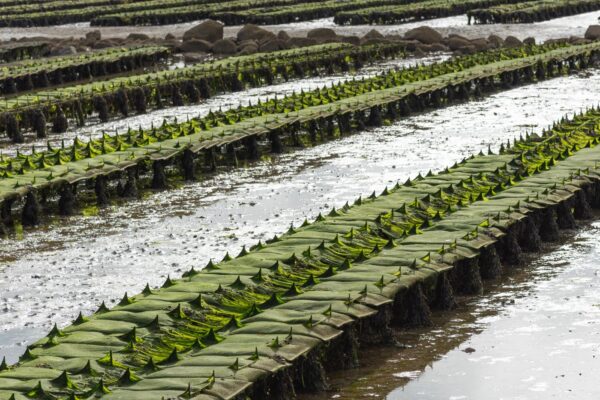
column 51, row 274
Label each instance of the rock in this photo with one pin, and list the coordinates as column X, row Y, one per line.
column 251, row 31
column 578, row 40
column 495, row 41
column 557, row 41
column 480, row 44
column 336, row 39
column 419, row 53
column 373, row 41
column 93, row 36
column 454, row 35
column 530, row 41
column 355, row 40
column 394, row 37
column 248, row 49
column 63, row 51
column 423, row 48
column 321, row 34
column 195, row 46
column 103, row 44
column 409, row 45
column 456, row 43
column 469, row 50
column 592, row 32
column 273, row 45
column 224, row 46
column 512, row 41
column 301, row 42
column 436, row 47
column 283, row 35
column 373, row 34
column 193, row 58
column 138, row 36
column 424, row 34
column 249, row 42
column 208, row 30
column 169, row 36
column 172, row 43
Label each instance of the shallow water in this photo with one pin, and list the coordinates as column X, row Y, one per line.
column 225, row 101
column 52, row 274
column 534, row 336
column 556, row 28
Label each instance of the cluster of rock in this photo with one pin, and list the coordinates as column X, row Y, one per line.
column 208, row 37
column 92, row 41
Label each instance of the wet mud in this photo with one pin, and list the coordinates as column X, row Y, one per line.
column 49, row 275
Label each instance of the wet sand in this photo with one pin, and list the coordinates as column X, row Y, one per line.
column 561, row 27
column 535, row 335
column 74, row 264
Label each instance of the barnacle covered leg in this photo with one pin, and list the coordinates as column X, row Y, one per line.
column 67, row 200
column 509, row 250
column 549, row 231
column 39, row 124
column 276, row 143
column 311, row 376
column 139, row 100
column 60, row 123
column 210, row 159
column 12, row 128
column 530, row 239
column 490, row 266
column 565, row 219
column 418, row 311
column 444, row 293
column 188, row 166
column 130, row 189
column 159, row 178
column 583, row 210
column 411, row 308
column 251, row 143
column 466, row 277
column 101, row 107
column 30, row 216
column 6, row 218
column 101, row 191
column 231, row 154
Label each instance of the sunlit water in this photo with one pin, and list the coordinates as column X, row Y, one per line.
column 534, row 336
column 52, row 274
column 546, row 345
column 556, row 28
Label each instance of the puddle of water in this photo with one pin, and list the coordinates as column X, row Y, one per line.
column 534, row 336
column 222, row 101
column 545, row 345
column 560, row 27
column 76, row 264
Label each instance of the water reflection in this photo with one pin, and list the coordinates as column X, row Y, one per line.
column 534, row 335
